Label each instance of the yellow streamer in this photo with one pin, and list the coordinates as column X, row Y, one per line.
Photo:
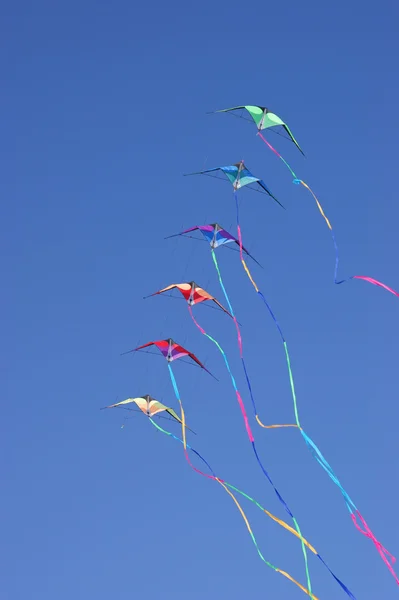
column 291, row 529
column 272, row 426
column 238, row 505
column 318, row 204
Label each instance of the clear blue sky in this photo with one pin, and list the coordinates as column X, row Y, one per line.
column 103, row 109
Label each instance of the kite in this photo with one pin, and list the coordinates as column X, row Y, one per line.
column 149, row 406
column 171, row 351
column 239, row 176
column 215, row 235
column 193, row 293
column 263, row 118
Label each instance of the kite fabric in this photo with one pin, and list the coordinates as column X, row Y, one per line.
column 273, row 517
column 354, row 512
column 263, row 118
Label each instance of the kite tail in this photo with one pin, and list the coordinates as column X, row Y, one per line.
column 244, row 264
column 239, row 338
column 386, row 556
column 233, row 381
column 224, row 485
column 292, row 530
column 250, row 435
column 269, row 514
column 309, row 442
column 276, row 153
column 300, row 181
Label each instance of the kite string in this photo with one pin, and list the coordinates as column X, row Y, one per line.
column 309, row 442
column 300, row 181
column 253, row 440
column 221, row 482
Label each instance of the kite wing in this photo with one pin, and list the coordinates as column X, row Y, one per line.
column 141, row 402
column 175, row 416
column 127, row 401
column 246, row 252
column 140, row 347
column 195, row 359
column 178, row 352
column 222, row 307
column 229, row 109
column 288, row 130
column 182, row 232
column 166, row 289
column 156, row 407
column 202, row 172
column 264, row 187
column 202, row 295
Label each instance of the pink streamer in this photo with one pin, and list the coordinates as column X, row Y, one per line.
column 382, row 551
column 375, row 282
column 244, row 414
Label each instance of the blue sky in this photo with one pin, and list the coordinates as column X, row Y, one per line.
column 103, row 110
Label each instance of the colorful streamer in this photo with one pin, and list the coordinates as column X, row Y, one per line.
column 305, row 185
column 385, row 555
column 183, row 420
column 274, row 518
column 250, row 434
